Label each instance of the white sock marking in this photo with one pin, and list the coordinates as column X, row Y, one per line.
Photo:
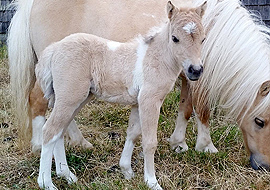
column 37, row 124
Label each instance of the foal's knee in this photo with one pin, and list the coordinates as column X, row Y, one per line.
column 149, row 146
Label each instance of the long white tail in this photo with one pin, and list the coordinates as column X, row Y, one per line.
column 21, row 61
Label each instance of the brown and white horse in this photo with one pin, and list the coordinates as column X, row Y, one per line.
column 139, row 73
column 236, row 51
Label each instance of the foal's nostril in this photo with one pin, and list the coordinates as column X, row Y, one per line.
column 191, row 69
column 195, row 71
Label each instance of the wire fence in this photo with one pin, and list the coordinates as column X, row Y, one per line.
column 6, row 13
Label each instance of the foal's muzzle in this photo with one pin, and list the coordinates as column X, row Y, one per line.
column 257, row 164
column 194, row 72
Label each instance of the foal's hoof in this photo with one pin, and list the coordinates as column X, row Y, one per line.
column 46, row 186
column 69, row 176
column 87, row 145
column 128, row 173
column 154, row 186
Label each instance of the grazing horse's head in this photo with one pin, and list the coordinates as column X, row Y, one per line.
column 256, row 129
column 187, row 36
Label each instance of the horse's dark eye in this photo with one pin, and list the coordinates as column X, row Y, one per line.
column 203, row 40
column 175, row 39
column 259, row 122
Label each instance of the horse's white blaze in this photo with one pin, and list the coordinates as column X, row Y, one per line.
column 190, row 27
column 37, row 124
column 138, row 71
column 113, row 46
column 204, row 142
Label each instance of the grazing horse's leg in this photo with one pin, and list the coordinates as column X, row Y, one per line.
column 204, row 142
column 39, row 106
column 177, row 139
column 133, row 133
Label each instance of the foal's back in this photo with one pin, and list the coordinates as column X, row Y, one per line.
column 107, row 66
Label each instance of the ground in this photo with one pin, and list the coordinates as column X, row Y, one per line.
column 104, row 125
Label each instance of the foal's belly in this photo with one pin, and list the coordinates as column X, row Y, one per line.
column 116, row 94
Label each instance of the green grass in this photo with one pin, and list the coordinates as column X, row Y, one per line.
column 104, row 125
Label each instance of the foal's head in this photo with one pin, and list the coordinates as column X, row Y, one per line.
column 186, row 37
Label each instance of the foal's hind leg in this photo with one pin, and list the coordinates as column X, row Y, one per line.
column 133, row 133
column 64, row 110
column 75, row 137
column 39, row 106
column 177, row 139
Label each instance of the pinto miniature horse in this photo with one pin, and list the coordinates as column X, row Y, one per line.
column 139, row 73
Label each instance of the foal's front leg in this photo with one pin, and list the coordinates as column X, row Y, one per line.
column 133, row 133
column 149, row 110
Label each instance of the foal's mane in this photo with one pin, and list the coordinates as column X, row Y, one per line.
column 236, row 54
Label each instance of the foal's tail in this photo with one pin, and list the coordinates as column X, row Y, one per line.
column 44, row 74
column 21, row 63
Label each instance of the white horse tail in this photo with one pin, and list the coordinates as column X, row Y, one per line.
column 21, row 63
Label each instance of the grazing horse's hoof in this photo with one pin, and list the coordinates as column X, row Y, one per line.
column 206, row 148
column 178, row 146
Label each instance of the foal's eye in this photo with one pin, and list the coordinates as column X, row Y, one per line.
column 259, row 122
column 175, row 39
column 203, row 40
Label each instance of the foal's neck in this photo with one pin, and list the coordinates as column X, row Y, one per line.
column 159, row 44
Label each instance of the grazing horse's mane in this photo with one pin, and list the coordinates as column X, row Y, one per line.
column 233, row 76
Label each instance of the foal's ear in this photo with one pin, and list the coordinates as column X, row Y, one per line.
column 265, row 88
column 170, row 9
column 201, row 9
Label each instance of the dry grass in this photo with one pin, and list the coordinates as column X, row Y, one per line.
column 104, row 125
